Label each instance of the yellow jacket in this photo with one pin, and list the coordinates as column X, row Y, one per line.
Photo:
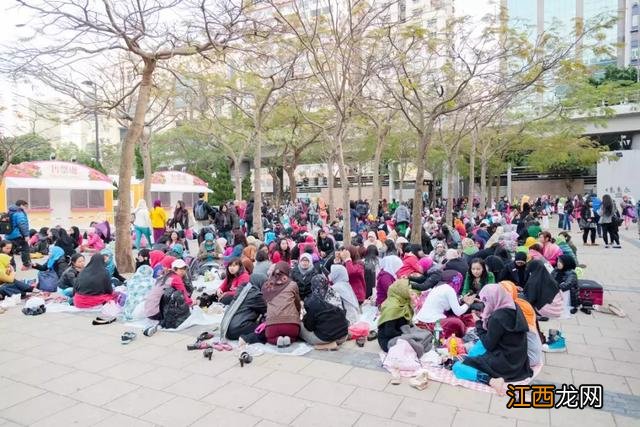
column 158, row 217
column 5, row 262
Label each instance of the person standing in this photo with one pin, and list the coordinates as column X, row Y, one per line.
column 627, row 211
column 596, row 204
column 158, row 220
column 568, row 212
column 588, row 223
column 609, row 216
column 20, row 232
column 142, row 223
column 203, row 213
column 248, row 216
column 180, row 217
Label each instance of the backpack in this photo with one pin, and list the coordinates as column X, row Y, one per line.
column 201, row 212
column 174, row 308
column 6, row 227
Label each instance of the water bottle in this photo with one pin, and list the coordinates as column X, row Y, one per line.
column 437, row 331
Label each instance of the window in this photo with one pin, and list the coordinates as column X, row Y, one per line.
column 189, row 199
column 87, row 199
column 163, row 196
column 38, row 198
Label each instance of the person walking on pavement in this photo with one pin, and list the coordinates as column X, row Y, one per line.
column 20, row 232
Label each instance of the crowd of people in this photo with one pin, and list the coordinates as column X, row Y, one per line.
column 487, row 277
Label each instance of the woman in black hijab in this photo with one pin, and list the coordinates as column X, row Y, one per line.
column 65, row 242
column 515, row 271
column 93, row 285
column 540, row 288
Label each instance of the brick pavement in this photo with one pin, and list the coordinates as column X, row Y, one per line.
column 57, row 369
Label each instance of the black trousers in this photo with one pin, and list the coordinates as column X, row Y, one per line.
column 610, row 230
column 21, row 246
column 585, row 233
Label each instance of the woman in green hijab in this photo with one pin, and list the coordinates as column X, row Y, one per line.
column 395, row 312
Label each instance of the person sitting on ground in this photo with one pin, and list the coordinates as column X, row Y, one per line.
column 246, row 310
column 57, row 261
column 535, row 253
column 395, row 312
column 371, row 267
column 94, row 242
column 93, row 285
column 389, row 266
column 172, row 276
column 565, row 275
column 248, row 257
column 515, row 271
column 340, row 284
column 262, row 264
column 116, row 278
column 324, row 324
column 411, row 268
column 534, row 344
column 138, row 287
column 454, row 262
column 142, row 258
column 283, row 305
column 501, row 352
column 550, row 250
column 236, row 276
column 174, row 239
column 469, row 249
column 542, row 291
column 6, row 247
column 9, row 285
column 477, row 277
column 355, row 268
column 69, row 276
column 302, row 274
column 64, row 241
column 155, row 262
column 325, row 244
column 236, row 253
column 209, row 251
column 430, row 278
column 440, row 303
column 439, row 253
column 40, row 241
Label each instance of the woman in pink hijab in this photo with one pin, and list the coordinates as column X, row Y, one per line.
column 501, row 352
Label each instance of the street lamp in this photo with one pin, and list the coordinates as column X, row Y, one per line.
column 95, row 115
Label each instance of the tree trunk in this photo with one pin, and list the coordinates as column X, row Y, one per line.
column 490, row 189
column 451, row 165
column 273, row 171
column 3, row 168
column 416, row 214
column 124, row 257
column 472, row 168
column 497, row 181
column 403, row 171
column 145, row 152
column 237, row 177
column 376, row 173
column 293, row 189
column 257, row 185
column 483, row 183
column 359, row 181
column 331, row 183
column 344, row 183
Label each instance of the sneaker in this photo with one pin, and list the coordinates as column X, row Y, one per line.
column 555, row 344
column 286, row 341
column 150, row 331
column 420, row 382
column 280, row 342
column 617, row 246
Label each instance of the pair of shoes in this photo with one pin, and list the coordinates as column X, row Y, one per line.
column 199, row 345
column 332, row 346
column 204, row 336
column 555, row 344
column 103, row 321
column 283, row 342
column 127, row 337
column 150, row 331
column 420, row 382
column 222, row 346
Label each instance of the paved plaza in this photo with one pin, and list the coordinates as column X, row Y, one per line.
column 59, row 370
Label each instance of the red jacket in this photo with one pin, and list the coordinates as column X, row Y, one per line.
column 356, row 279
column 178, row 284
column 230, row 288
column 410, row 265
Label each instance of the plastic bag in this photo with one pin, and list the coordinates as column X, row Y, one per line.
column 110, row 309
column 370, row 315
column 359, row 330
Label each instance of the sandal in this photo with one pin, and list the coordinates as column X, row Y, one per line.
column 103, row 321
column 372, row 335
column 617, row 310
column 127, row 337
column 150, row 331
column 360, row 341
column 420, row 382
column 204, row 336
column 198, row 346
column 207, row 353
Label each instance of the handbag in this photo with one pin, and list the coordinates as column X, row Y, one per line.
column 48, row 281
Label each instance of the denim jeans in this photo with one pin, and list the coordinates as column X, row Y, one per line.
column 560, row 220
column 466, row 372
column 17, row 287
column 566, row 223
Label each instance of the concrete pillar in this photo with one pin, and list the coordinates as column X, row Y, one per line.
column 635, row 141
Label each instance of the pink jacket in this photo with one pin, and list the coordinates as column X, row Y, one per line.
column 95, row 242
column 552, row 252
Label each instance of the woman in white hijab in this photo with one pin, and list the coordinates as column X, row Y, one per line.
column 340, row 284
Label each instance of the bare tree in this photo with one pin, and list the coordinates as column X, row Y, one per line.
column 88, row 34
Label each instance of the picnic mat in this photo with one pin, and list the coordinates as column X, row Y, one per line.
column 197, row 317
column 297, row 348
column 442, row 375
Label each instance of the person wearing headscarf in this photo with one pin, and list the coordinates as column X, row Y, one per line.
column 94, row 242
column 142, row 223
column 454, row 262
column 567, row 279
column 501, row 353
column 209, row 250
column 93, row 285
column 515, row 271
column 325, row 321
column 235, row 254
column 176, row 250
column 64, row 241
column 116, row 278
column 564, row 246
column 57, row 261
column 495, row 237
column 542, row 291
column 9, row 285
column 339, row 278
column 440, row 304
column 439, row 253
column 389, row 266
column 248, row 257
column 469, row 249
column 534, row 345
column 246, row 310
column 395, row 312
column 283, row 305
column 142, row 258
column 155, row 262
column 431, row 276
column 69, row 276
column 302, row 274
column 158, row 220
column 235, row 276
column 138, row 287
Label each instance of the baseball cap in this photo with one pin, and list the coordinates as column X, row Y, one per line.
column 178, row 264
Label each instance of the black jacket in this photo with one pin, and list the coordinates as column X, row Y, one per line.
column 568, row 281
column 389, row 330
column 327, row 321
column 304, row 279
column 512, row 273
column 59, row 266
column 245, row 320
column 325, row 245
column 68, row 278
column 458, row 265
column 506, row 342
column 432, row 277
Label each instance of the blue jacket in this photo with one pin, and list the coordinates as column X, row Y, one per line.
column 19, row 223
